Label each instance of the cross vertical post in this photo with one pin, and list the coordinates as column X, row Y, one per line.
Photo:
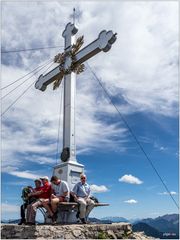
column 69, row 99
column 69, row 169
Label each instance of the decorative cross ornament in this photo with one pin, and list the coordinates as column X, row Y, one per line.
column 71, row 63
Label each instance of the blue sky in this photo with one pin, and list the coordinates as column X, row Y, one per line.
column 140, row 72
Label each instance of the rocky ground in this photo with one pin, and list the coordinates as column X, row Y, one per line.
column 76, row 231
column 140, row 236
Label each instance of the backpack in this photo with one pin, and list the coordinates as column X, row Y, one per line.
column 71, row 199
column 24, row 195
column 94, row 199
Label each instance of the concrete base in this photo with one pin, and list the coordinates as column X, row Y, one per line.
column 66, row 215
column 70, row 172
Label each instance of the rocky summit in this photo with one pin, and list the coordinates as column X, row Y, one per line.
column 78, row 231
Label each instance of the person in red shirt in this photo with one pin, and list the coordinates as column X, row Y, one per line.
column 43, row 195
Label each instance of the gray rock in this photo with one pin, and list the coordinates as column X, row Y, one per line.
column 75, row 231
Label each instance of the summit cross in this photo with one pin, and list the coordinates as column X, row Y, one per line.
column 70, row 63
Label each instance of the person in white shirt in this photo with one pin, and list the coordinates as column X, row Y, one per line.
column 61, row 192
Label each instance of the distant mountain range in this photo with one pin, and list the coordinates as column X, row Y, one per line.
column 115, row 219
column 15, row 221
column 148, row 230
column 120, row 219
column 167, row 226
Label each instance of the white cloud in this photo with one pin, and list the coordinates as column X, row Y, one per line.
column 160, row 147
column 39, row 121
column 166, row 193
column 143, row 59
column 98, row 189
column 17, row 183
column 131, row 201
column 140, row 69
column 145, row 65
column 24, row 174
column 9, row 208
column 128, row 178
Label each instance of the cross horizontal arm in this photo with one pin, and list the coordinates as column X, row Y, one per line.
column 102, row 43
column 44, row 80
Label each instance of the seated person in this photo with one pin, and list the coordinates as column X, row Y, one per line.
column 81, row 193
column 61, row 193
column 28, row 200
column 43, row 195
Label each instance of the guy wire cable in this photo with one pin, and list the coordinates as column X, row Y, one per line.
column 25, row 75
column 29, row 49
column 25, row 80
column 59, row 121
column 23, row 93
column 133, row 135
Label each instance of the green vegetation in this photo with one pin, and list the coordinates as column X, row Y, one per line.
column 104, row 235
column 125, row 236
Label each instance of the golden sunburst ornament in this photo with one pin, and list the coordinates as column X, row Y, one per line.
column 61, row 57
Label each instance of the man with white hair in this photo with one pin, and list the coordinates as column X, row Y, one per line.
column 81, row 193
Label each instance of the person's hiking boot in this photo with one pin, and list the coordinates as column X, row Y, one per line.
column 22, row 221
column 56, row 214
column 30, row 223
column 54, row 218
column 88, row 222
column 77, row 214
column 83, row 220
column 78, row 221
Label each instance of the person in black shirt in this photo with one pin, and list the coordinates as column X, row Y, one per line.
column 28, row 200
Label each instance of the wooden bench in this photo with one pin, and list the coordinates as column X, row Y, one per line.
column 65, row 209
column 76, row 204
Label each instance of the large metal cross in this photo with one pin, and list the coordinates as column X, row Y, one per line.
column 65, row 69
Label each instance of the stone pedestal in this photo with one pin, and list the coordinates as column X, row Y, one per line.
column 70, row 172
